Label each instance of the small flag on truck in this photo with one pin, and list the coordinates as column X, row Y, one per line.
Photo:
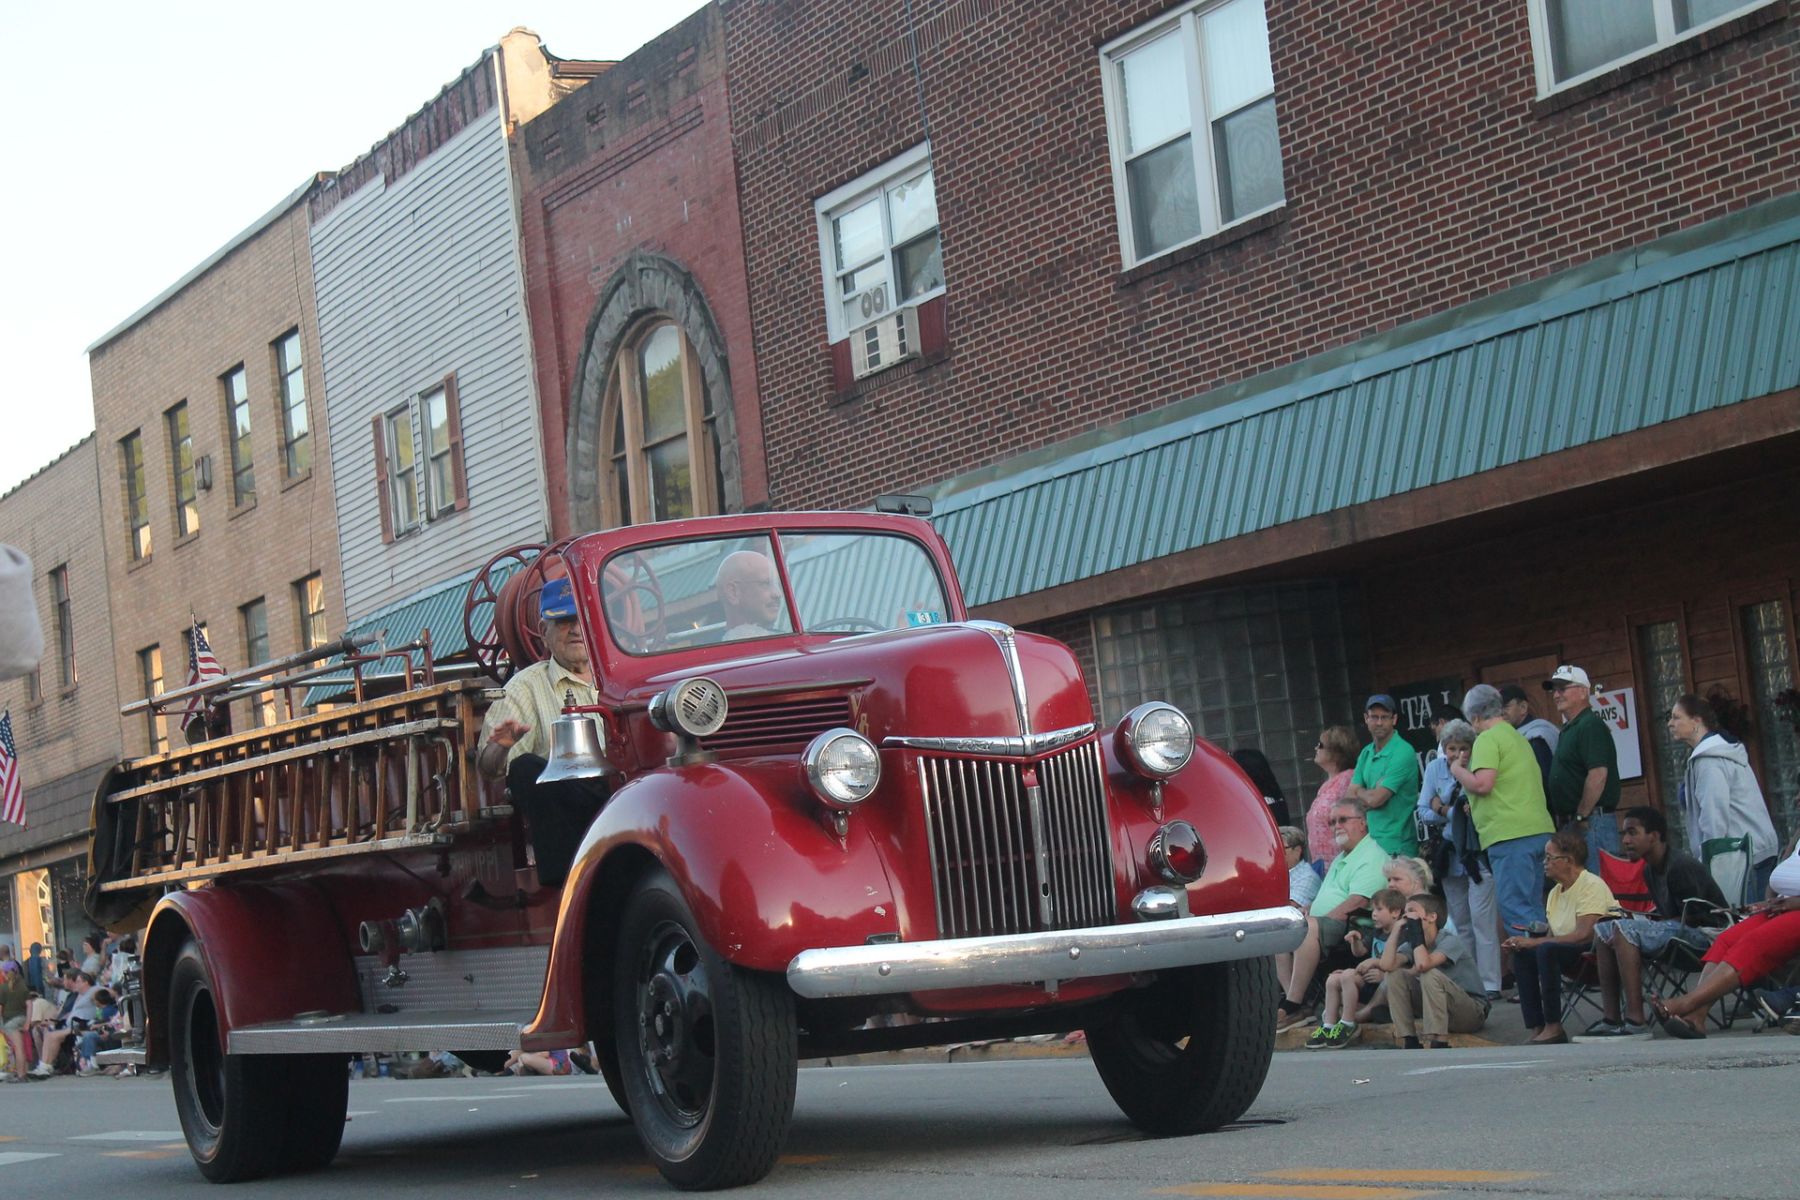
column 203, row 667
column 12, row 789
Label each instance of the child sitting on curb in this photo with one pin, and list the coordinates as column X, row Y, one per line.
column 1440, row 981
column 1355, row 994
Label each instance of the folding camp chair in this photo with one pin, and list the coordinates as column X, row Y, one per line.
column 1581, row 990
column 1727, row 860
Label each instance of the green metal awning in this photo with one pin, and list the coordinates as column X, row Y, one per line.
column 438, row 608
column 1699, row 320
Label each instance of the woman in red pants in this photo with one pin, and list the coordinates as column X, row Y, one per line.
column 1754, row 948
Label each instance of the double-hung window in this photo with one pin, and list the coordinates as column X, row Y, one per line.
column 150, row 678
column 137, row 500
column 402, row 471
column 419, row 473
column 878, row 241
column 440, row 458
column 296, row 442
column 237, row 419
column 1575, row 40
column 309, row 599
column 1190, row 107
column 181, row 471
column 63, row 606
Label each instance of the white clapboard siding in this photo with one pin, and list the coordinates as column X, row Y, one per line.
column 416, row 282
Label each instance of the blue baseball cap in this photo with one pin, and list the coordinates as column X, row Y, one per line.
column 557, row 602
column 1381, row 700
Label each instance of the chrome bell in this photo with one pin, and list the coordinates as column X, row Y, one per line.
column 577, row 751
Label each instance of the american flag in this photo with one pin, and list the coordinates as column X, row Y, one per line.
column 12, row 790
column 202, row 668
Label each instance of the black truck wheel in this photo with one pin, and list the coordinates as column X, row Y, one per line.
column 246, row 1115
column 1189, row 1053
column 708, row 1052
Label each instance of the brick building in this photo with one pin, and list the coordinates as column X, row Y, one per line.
column 1273, row 352
column 635, row 280
column 65, row 718
column 215, row 493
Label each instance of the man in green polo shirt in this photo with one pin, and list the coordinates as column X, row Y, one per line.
column 1355, row 875
column 1584, row 771
column 1387, row 779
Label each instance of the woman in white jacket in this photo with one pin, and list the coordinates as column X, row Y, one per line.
column 1719, row 793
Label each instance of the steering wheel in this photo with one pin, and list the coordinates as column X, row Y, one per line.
column 484, row 597
column 854, row 623
column 549, row 564
column 623, row 581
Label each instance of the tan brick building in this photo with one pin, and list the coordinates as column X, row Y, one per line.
column 65, row 718
column 215, row 489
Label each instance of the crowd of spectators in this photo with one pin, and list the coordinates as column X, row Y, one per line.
column 1423, row 879
column 57, row 1014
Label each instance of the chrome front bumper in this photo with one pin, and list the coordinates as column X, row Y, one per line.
column 1056, row 956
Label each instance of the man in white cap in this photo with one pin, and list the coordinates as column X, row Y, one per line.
column 1584, row 771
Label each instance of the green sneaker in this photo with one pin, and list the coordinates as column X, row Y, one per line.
column 1345, row 1034
column 1321, row 1037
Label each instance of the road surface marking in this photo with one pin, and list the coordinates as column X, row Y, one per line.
column 137, row 1154
column 1396, row 1175
column 1295, row 1191
column 9, row 1157
column 362, row 1112
column 449, row 1100
column 132, row 1135
column 1480, row 1066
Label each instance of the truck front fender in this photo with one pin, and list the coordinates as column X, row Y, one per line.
column 762, row 874
column 271, row 951
column 1245, row 868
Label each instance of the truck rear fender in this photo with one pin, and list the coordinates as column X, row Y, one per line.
column 762, row 875
column 271, row 952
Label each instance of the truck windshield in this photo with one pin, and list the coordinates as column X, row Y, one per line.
column 660, row 599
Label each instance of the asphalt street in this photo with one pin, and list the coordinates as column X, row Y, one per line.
column 1648, row 1120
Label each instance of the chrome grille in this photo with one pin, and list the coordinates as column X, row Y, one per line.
column 781, row 725
column 1006, row 858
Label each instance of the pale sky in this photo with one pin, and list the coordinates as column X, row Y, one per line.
column 141, row 137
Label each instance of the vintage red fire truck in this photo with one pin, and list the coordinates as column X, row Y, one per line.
column 864, row 822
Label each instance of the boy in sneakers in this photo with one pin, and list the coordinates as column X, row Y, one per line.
column 1441, row 981
column 1353, row 993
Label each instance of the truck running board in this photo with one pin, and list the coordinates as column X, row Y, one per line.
column 354, row 1033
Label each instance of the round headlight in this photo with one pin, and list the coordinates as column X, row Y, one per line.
column 842, row 767
column 694, row 707
column 1156, row 740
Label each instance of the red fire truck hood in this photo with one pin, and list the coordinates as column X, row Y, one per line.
column 938, row 681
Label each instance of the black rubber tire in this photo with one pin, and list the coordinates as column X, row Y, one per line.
column 606, row 1057
column 1189, row 1053
column 722, row 1120
column 246, row 1115
column 318, row 1098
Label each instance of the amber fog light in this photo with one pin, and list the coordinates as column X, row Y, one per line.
column 1176, row 852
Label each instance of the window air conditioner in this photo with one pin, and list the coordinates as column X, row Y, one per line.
column 880, row 344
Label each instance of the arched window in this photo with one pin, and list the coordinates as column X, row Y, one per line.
column 661, row 457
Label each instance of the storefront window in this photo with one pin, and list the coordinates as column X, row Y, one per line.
column 1771, row 667
column 1665, row 679
column 1264, row 667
